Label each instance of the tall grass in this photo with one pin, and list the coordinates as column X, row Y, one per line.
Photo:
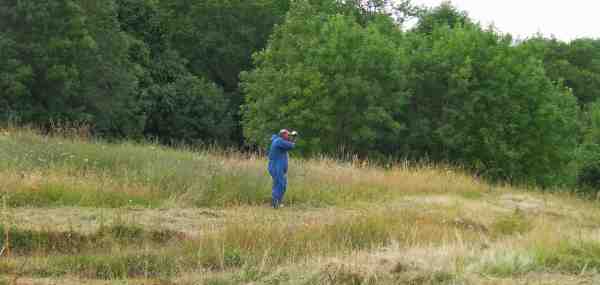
column 281, row 242
column 127, row 251
column 57, row 188
column 571, row 257
column 55, row 171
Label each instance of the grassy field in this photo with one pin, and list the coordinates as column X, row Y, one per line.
column 78, row 211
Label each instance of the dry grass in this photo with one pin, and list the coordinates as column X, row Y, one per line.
column 437, row 241
column 346, row 222
column 61, row 172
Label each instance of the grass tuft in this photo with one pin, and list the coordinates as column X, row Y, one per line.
column 570, row 257
column 516, row 223
column 567, row 257
column 114, row 267
column 509, row 264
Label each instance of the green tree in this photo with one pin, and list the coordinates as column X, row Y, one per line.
column 176, row 105
column 189, row 110
column 588, row 177
column 218, row 37
column 14, row 79
column 584, row 55
column 576, row 64
column 60, row 48
column 443, row 15
column 341, row 83
column 365, row 11
column 485, row 104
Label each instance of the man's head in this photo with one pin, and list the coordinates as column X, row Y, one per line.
column 284, row 134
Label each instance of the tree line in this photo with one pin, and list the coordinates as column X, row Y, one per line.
column 350, row 75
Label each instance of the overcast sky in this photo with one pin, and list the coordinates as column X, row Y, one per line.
column 566, row 20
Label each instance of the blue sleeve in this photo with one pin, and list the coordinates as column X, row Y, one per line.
column 283, row 144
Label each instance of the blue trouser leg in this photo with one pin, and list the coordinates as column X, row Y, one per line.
column 283, row 183
column 275, row 187
column 278, row 171
column 279, row 185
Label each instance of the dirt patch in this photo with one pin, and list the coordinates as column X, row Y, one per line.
column 442, row 200
column 522, row 202
column 467, row 224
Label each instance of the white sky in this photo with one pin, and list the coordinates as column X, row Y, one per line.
column 566, row 20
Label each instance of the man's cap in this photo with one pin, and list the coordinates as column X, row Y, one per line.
column 284, row 131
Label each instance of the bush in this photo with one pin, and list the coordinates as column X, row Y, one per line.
column 190, row 110
column 589, row 173
column 517, row 223
column 570, row 257
column 588, row 160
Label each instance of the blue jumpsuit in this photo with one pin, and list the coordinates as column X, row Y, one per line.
column 278, row 166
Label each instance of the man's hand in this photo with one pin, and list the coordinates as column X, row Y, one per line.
column 293, row 136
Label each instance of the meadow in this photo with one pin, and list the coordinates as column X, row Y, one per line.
column 75, row 210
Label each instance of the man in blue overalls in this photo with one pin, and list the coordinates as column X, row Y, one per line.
column 278, row 164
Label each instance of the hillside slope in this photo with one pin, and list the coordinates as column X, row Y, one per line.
column 78, row 211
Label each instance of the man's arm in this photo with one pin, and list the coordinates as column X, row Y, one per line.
column 285, row 145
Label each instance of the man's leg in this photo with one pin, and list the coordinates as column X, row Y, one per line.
column 274, row 191
column 283, row 186
column 277, row 193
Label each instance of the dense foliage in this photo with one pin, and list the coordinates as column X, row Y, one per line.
column 483, row 103
column 56, row 51
column 341, row 83
column 589, row 152
column 347, row 74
